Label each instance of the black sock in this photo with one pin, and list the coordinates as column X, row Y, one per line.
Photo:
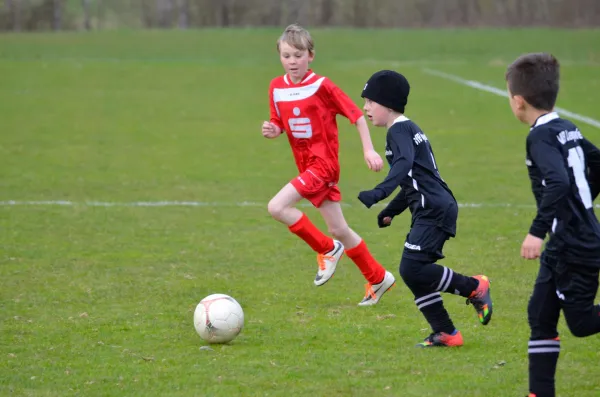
column 435, row 313
column 455, row 283
column 543, row 356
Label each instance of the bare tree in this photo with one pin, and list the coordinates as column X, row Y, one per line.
column 474, row 12
column 501, row 12
column 326, row 12
column 183, row 21
column 100, row 13
column 543, row 8
column 9, row 5
column 223, row 11
column 87, row 24
column 164, row 10
column 15, row 12
column 146, row 14
column 57, row 14
column 434, row 15
column 52, row 14
column 360, row 10
column 274, row 18
column 297, row 11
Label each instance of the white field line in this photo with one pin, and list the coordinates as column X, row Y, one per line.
column 493, row 90
column 209, row 204
column 68, row 203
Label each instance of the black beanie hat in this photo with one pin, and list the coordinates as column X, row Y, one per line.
column 389, row 89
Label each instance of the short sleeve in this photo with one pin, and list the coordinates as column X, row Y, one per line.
column 341, row 103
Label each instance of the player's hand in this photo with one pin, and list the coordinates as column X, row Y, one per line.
column 532, row 247
column 384, row 219
column 373, row 160
column 270, row 130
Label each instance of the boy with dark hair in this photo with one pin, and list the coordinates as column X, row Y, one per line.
column 564, row 169
column 433, row 207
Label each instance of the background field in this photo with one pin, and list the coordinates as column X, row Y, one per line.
column 98, row 300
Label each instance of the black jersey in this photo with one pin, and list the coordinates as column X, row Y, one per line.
column 414, row 170
column 564, row 168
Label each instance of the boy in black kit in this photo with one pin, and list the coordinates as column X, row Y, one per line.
column 433, row 207
column 564, row 169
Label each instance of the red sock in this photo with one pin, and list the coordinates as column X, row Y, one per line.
column 308, row 232
column 370, row 268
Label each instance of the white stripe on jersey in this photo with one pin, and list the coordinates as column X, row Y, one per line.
column 310, row 76
column 296, row 93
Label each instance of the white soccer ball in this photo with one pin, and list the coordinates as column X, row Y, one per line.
column 218, row 318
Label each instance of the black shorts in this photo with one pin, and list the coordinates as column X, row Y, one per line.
column 425, row 242
column 576, row 285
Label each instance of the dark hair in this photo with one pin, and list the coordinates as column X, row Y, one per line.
column 536, row 78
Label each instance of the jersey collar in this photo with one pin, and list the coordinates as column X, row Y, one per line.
column 400, row 119
column 309, row 75
column 548, row 117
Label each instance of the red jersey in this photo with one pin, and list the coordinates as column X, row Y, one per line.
column 307, row 113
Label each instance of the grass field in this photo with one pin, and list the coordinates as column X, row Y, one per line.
column 98, row 300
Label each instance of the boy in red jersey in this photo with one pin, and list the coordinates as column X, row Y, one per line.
column 305, row 105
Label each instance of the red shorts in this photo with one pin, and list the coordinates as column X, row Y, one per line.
column 315, row 189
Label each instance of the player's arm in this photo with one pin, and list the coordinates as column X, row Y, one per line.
column 550, row 161
column 274, row 127
column 372, row 158
column 395, row 207
column 536, row 187
column 343, row 105
column 592, row 158
column 402, row 145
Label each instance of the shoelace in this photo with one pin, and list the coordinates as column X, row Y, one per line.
column 369, row 291
column 475, row 300
column 321, row 258
column 429, row 339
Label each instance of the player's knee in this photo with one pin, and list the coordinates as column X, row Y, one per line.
column 276, row 209
column 579, row 329
column 582, row 324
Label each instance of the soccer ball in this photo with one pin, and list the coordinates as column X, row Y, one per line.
column 218, row 318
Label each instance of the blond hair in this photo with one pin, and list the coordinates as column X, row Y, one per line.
column 298, row 37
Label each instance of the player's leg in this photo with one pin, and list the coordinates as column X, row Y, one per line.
column 425, row 243
column 577, row 287
column 281, row 207
column 477, row 288
column 379, row 281
column 423, row 247
column 429, row 302
column 337, row 225
column 543, row 312
column 313, row 187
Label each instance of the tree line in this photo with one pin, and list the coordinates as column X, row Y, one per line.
column 31, row 15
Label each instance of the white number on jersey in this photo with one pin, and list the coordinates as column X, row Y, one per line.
column 576, row 161
column 300, row 127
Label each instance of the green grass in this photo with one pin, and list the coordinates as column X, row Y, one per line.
column 98, row 301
